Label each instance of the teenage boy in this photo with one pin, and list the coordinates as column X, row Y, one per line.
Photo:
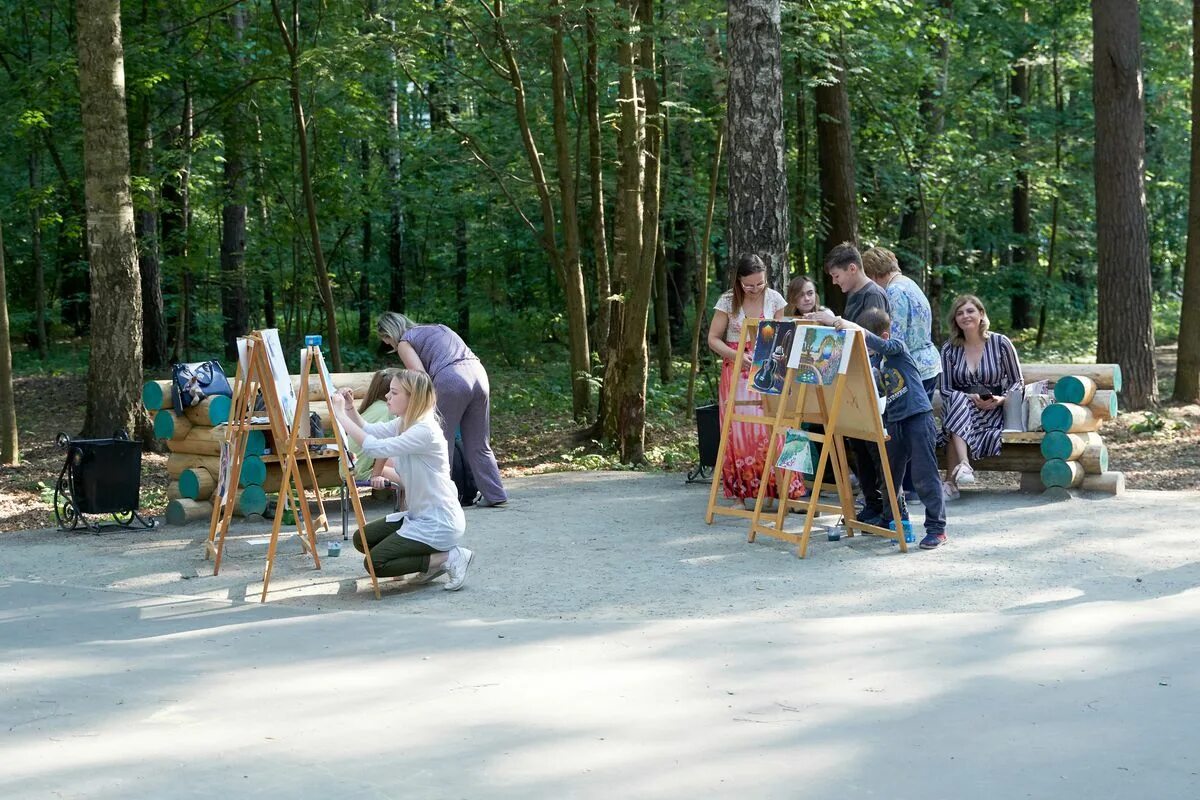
column 845, row 267
column 909, row 420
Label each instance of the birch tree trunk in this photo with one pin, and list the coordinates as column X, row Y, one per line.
column 114, row 382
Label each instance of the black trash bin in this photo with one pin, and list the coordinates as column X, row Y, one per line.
column 708, row 433
column 100, row 476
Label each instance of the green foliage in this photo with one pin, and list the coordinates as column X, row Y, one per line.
column 935, row 129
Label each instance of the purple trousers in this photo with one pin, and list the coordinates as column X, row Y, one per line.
column 464, row 401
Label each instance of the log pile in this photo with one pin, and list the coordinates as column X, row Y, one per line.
column 194, row 440
column 1070, row 453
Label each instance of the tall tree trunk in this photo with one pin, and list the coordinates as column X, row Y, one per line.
column 1125, row 332
column 10, row 452
column 364, row 275
column 758, row 199
column 1022, row 253
column 1056, row 80
column 835, row 163
column 628, row 366
column 572, row 266
column 291, row 43
column 1187, row 374
column 462, row 264
column 235, row 305
column 627, row 225
column 596, row 182
column 154, row 322
column 176, row 218
column 661, row 287
column 565, row 264
column 800, row 190
column 703, row 276
column 39, row 268
column 114, row 384
column 396, row 267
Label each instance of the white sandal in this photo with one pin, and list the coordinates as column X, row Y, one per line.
column 963, row 474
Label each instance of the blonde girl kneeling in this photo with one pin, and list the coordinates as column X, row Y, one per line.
column 425, row 540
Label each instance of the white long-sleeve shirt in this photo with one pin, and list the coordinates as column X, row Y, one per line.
column 422, row 460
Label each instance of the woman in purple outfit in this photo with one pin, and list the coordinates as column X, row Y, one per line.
column 463, row 393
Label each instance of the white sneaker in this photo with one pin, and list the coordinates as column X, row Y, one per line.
column 422, row 578
column 949, row 491
column 457, row 562
column 964, row 474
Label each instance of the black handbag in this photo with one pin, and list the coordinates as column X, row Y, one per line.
column 191, row 383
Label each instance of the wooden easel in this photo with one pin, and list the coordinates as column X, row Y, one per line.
column 847, row 408
column 254, row 377
column 733, row 414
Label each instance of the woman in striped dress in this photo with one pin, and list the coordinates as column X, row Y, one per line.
column 978, row 369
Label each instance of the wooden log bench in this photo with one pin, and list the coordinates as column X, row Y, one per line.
column 194, row 440
column 1070, row 452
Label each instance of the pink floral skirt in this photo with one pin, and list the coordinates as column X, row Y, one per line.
column 746, row 451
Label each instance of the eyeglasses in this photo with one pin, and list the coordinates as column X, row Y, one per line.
column 754, row 287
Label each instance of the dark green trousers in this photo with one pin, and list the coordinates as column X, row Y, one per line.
column 391, row 553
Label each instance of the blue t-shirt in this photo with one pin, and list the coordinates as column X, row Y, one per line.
column 900, row 378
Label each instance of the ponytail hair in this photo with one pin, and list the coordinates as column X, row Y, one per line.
column 378, row 389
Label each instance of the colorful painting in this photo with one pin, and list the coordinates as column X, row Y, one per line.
column 772, row 347
column 796, row 454
column 822, row 353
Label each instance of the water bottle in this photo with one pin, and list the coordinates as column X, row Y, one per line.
column 909, row 536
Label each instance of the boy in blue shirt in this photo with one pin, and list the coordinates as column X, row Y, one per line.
column 909, row 420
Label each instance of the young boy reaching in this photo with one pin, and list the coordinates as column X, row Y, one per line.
column 909, row 419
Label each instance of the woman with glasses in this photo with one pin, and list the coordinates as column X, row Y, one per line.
column 746, row 450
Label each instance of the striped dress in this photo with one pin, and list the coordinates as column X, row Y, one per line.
column 1000, row 370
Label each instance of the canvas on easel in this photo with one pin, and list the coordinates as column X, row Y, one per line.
column 258, row 377
column 847, row 405
column 766, row 335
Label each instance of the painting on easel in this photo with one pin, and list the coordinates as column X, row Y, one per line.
column 821, row 355
column 772, row 348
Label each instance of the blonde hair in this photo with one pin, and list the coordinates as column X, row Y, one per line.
column 879, row 261
column 378, row 389
column 393, row 326
column 421, row 397
column 956, row 335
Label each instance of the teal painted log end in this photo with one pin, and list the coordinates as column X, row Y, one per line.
column 1056, row 444
column 1069, row 389
column 1057, row 417
column 164, row 424
column 218, row 410
column 1117, row 377
column 1056, row 472
column 152, row 396
column 1104, row 458
column 254, row 471
column 175, row 513
column 256, row 443
column 189, row 484
column 253, row 500
column 1112, row 405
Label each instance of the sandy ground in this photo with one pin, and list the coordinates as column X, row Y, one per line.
column 610, row 644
